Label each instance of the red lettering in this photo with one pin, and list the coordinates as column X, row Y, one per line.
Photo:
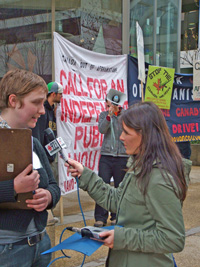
column 112, row 84
column 120, row 87
column 79, row 157
column 91, row 110
column 186, row 112
column 67, row 112
column 185, row 127
column 179, row 128
column 69, row 185
column 75, row 86
column 174, row 128
column 192, row 127
column 89, row 80
column 197, row 127
column 84, row 112
column 63, row 75
column 84, row 155
column 196, row 113
column 70, row 85
column 166, row 112
column 97, row 110
column 85, row 143
column 95, row 136
column 77, row 111
column 80, row 111
column 83, row 93
column 98, row 89
column 104, row 88
column 78, row 135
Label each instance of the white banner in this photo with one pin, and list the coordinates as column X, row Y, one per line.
column 86, row 77
column 196, row 80
column 140, row 53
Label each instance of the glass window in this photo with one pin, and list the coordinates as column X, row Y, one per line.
column 143, row 12
column 20, row 24
column 26, row 30
column 95, row 25
column 166, row 33
column 159, row 22
column 189, row 34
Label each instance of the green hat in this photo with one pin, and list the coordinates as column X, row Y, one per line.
column 55, row 87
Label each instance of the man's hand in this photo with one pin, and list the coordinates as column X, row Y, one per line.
column 41, row 200
column 112, row 110
column 27, row 180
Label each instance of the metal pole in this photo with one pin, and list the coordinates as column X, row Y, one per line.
column 179, row 36
column 199, row 28
column 125, row 26
column 154, row 32
column 52, row 31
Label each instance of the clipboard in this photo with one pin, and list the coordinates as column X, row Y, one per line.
column 15, row 156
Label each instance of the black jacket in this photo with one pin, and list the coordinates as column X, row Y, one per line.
column 48, row 120
column 18, row 220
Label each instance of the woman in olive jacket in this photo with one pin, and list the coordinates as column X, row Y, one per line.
column 148, row 202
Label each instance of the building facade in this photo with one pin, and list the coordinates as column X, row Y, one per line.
column 170, row 30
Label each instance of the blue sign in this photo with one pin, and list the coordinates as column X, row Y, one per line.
column 183, row 118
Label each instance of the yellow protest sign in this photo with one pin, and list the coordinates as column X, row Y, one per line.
column 159, row 86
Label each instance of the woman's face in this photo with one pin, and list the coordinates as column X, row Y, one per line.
column 131, row 140
column 31, row 109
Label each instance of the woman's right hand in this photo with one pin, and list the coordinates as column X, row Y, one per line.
column 28, row 180
column 74, row 167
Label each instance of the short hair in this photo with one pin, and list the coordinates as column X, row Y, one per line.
column 19, row 82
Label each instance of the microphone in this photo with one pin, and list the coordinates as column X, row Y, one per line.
column 89, row 231
column 55, row 145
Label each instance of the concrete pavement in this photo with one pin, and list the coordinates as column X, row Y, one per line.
column 189, row 257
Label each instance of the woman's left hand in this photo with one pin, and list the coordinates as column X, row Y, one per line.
column 41, row 199
column 109, row 238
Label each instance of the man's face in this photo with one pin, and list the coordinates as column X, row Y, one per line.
column 108, row 104
column 57, row 97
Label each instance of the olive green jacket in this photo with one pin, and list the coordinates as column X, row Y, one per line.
column 153, row 225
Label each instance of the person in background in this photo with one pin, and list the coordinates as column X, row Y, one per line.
column 48, row 120
column 185, row 149
column 113, row 157
column 22, row 232
column 149, row 199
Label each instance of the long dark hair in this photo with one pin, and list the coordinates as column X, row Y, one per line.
column 156, row 146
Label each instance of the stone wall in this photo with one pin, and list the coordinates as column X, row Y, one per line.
column 195, row 156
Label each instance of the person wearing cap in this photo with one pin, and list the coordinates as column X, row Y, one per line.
column 48, row 120
column 113, row 158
